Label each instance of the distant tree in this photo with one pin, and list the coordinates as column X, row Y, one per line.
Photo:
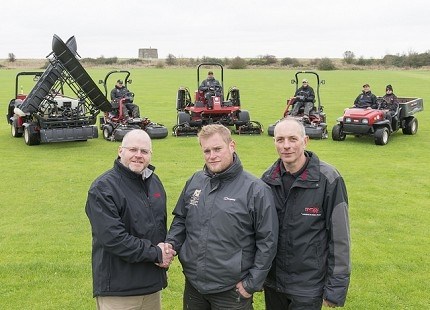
column 287, row 61
column 265, row 60
column 237, row 63
column 11, row 57
column 212, row 60
column 326, row 64
column 171, row 60
column 348, row 57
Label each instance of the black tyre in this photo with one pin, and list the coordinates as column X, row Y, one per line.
column 14, row 130
column 107, row 132
column 31, row 137
column 381, row 136
column 411, row 126
column 324, row 133
column 271, row 130
column 183, row 118
column 337, row 133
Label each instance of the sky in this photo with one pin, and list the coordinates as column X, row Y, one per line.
column 223, row 28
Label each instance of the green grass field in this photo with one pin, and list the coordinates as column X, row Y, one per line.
column 45, row 240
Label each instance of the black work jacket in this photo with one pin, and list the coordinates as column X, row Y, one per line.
column 128, row 220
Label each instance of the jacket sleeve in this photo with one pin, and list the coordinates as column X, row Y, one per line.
column 374, row 104
column 109, row 230
column 203, row 86
column 177, row 232
column 266, row 239
column 339, row 261
column 357, row 100
column 112, row 94
column 311, row 96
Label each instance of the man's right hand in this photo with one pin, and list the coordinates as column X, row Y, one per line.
column 168, row 254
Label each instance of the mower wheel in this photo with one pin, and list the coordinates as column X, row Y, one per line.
column 31, row 137
column 271, row 130
column 242, row 118
column 107, row 132
column 381, row 136
column 183, row 118
column 14, row 130
column 411, row 126
column 337, row 133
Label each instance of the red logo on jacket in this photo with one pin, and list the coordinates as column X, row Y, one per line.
column 312, row 211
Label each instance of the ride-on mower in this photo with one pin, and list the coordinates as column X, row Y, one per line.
column 315, row 125
column 117, row 122
column 373, row 122
column 227, row 111
column 47, row 113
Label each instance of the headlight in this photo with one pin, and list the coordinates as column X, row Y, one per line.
column 347, row 120
column 365, row 121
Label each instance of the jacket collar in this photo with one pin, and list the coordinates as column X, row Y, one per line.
column 231, row 171
column 309, row 174
column 123, row 170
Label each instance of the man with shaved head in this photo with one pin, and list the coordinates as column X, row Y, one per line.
column 312, row 265
column 126, row 207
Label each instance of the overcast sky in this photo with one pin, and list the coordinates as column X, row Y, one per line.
column 223, row 28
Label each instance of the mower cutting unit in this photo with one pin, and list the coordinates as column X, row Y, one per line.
column 46, row 114
column 315, row 125
column 373, row 122
column 192, row 116
column 116, row 123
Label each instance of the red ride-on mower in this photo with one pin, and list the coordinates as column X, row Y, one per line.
column 315, row 125
column 211, row 109
column 116, row 123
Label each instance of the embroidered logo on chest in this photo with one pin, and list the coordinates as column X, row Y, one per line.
column 194, row 200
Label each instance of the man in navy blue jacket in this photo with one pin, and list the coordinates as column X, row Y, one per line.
column 126, row 207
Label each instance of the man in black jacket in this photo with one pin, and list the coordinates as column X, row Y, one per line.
column 210, row 87
column 304, row 97
column 312, row 265
column 366, row 100
column 225, row 228
column 121, row 92
column 126, row 207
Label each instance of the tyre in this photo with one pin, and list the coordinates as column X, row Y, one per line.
column 107, row 132
column 243, row 117
column 14, row 130
column 271, row 130
column 337, row 133
column 31, row 137
column 183, row 118
column 324, row 134
column 411, row 126
column 381, row 136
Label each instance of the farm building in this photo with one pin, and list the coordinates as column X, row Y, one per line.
column 148, row 53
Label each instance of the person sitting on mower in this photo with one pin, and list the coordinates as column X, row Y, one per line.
column 211, row 87
column 120, row 92
column 304, row 97
column 366, row 100
column 389, row 103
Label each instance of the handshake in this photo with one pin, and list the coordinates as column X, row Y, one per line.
column 168, row 254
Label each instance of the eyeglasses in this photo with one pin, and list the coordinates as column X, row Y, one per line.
column 134, row 150
column 304, row 82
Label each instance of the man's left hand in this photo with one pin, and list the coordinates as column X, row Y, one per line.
column 241, row 289
column 326, row 303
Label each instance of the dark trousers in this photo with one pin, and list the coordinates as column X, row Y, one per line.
column 228, row 300
column 281, row 301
